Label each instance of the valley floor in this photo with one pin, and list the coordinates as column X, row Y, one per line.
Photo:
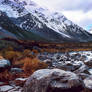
column 20, row 59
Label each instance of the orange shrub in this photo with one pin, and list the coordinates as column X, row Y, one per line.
column 7, row 76
column 9, row 48
column 26, row 52
column 35, row 51
column 12, row 55
column 32, row 65
column 20, row 63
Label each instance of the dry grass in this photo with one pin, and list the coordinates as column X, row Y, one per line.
column 5, row 76
column 31, row 65
column 11, row 55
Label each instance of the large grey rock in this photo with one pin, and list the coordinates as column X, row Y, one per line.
column 88, row 84
column 76, row 56
column 67, row 65
column 53, row 80
column 4, row 63
column 82, row 69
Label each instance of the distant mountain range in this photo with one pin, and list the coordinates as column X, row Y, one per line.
column 24, row 20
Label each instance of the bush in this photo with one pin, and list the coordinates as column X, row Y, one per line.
column 11, row 55
column 26, row 52
column 19, row 63
column 5, row 76
column 32, row 65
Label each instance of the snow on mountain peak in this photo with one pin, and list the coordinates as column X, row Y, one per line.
column 90, row 30
column 30, row 15
column 13, row 8
column 54, row 20
column 18, row 8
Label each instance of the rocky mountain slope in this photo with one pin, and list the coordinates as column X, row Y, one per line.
column 24, row 19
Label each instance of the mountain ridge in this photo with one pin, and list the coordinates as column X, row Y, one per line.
column 32, row 19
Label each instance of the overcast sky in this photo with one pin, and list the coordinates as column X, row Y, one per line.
column 79, row 11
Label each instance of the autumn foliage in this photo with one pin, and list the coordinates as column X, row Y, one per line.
column 31, row 65
column 11, row 55
column 5, row 76
column 20, row 59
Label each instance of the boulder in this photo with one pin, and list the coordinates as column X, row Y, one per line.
column 17, row 70
column 83, row 58
column 64, row 58
column 88, row 84
column 82, row 69
column 76, row 56
column 44, row 57
column 53, row 80
column 5, row 88
column 90, row 71
column 83, row 75
column 9, row 88
column 56, row 56
column 67, row 65
column 16, row 89
column 48, row 62
column 20, row 81
column 4, row 64
column 89, row 62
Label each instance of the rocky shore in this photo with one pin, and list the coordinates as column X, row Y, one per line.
column 66, row 72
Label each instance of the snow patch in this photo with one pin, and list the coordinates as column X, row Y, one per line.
column 10, row 12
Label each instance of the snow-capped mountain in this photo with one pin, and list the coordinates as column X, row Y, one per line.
column 90, row 31
column 24, row 19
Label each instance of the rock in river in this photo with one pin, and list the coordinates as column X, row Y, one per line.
column 53, row 80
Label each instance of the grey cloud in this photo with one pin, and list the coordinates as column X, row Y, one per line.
column 84, row 5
